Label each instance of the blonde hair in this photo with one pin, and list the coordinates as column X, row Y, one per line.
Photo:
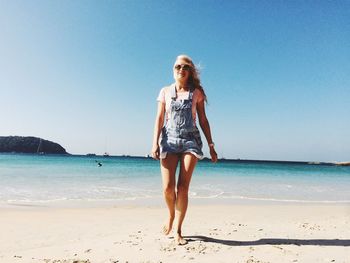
column 193, row 80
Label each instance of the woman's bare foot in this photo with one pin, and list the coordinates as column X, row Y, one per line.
column 168, row 226
column 179, row 240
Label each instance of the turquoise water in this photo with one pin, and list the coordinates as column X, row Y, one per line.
column 49, row 179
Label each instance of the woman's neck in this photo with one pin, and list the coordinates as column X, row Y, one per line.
column 181, row 86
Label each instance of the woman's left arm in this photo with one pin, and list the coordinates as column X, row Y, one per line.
column 204, row 123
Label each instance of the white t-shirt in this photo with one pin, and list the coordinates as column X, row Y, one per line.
column 165, row 97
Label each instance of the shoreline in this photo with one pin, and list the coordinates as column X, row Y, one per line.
column 156, row 202
column 246, row 233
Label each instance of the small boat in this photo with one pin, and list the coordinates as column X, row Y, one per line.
column 40, row 150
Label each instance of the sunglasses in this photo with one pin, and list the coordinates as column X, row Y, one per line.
column 183, row 67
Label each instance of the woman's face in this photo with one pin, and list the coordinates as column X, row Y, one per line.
column 182, row 70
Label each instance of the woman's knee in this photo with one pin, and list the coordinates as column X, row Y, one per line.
column 182, row 189
column 169, row 189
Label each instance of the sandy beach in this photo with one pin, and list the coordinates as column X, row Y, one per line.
column 216, row 233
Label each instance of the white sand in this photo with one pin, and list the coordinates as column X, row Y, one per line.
column 226, row 233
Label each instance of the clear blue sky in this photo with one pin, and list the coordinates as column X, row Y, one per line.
column 86, row 74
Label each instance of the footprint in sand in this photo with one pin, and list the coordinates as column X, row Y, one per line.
column 214, row 232
column 253, row 260
column 310, row 227
column 168, row 248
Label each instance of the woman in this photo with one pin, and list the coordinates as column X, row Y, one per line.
column 179, row 140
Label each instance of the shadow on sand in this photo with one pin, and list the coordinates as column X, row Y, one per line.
column 273, row 241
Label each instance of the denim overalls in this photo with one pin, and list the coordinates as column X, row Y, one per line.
column 180, row 133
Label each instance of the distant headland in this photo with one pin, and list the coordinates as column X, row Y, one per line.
column 28, row 144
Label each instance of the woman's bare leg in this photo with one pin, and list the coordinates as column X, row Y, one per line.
column 187, row 164
column 168, row 170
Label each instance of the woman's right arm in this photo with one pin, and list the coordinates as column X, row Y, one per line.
column 157, row 129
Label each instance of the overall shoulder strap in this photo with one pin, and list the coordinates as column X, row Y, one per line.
column 173, row 91
column 190, row 93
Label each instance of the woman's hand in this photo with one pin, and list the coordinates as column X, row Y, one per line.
column 155, row 152
column 213, row 154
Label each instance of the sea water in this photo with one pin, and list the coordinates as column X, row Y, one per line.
column 27, row 179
